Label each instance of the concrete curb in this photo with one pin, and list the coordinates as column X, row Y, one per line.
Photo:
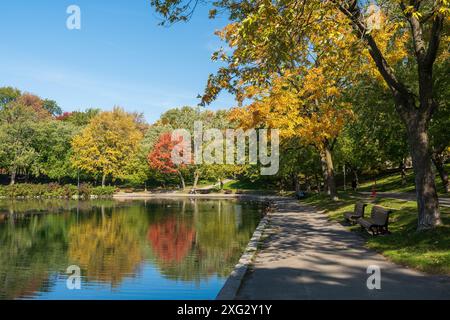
column 234, row 281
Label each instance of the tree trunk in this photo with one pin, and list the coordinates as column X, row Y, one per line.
column 439, row 164
column 355, row 175
column 323, row 162
column 403, row 172
column 297, row 186
column 317, row 182
column 13, row 177
column 327, row 163
column 196, row 178
column 427, row 199
column 103, row 180
column 183, row 184
column 307, row 183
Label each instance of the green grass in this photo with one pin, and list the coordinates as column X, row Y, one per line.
column 390, row 183
column 235, row 185
column 427, row 251
column 393, row 182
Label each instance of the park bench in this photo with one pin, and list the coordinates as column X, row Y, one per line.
column 353, row 216
column 378, row 221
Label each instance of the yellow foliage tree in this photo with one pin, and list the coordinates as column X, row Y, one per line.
column 107, row 143
column 310, row 109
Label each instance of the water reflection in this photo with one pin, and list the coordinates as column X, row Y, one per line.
column 171, row 239
column 138, row 249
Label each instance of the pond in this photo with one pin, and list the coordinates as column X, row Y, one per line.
column 129, row 249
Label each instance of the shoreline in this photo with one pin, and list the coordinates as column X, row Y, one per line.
column 165, row 195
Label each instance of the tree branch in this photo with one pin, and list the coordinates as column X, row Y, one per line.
column 435, row 39
column 353, row 12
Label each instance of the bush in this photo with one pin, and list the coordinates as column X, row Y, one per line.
column 85, row 191
column 69, row 191
column 54, row 190
column 103, row 191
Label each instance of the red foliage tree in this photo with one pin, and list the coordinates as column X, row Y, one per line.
column 160, row 159
column 36, row 103
column 64, row 116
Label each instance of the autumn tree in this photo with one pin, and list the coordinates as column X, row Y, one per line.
column 107, row 144
column 185, row 118
column 79, row 118
column 35, row 103
column 308, row 108
column 160, row 158
column 272, row 35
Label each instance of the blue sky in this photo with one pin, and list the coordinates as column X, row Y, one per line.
column 121, row 56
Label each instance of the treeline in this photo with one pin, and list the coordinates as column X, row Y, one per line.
column 41, row 144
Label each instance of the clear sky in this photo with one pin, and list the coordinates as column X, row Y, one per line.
column 121, row 56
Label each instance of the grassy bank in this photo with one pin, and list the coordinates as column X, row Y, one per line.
column 427, row 251
column 236, row 186
column 393, row 182
column 54, row 190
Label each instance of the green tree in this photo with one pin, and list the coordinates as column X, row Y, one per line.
column 7, row 95
column 52, row 107
column 53, row 142
column 17, row 131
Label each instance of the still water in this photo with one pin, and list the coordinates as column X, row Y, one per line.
column 152, row 249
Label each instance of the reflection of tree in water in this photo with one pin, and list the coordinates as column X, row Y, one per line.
column 218, row 244
column 30, row 250
column 171, row 239
column 187, row 240
column 34, row 244
column 35, row 206
column 108, row 247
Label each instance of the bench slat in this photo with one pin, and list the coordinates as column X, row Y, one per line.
column 378, row 221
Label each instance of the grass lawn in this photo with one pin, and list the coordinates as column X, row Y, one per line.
column 258, row 188
column 235, row 185
column 427, row 251
column 393, row 182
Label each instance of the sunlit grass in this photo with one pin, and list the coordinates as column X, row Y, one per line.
column 393, row 183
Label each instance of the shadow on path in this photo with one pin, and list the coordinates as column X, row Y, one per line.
column 306, row 256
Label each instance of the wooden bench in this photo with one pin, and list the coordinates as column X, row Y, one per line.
column 378, row 222
column 353, row 216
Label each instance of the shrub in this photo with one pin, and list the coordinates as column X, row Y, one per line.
column 70, row 190
column 54, row 190
column 85, row 190
column 103, row 191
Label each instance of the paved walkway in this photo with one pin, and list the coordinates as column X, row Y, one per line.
column 308, row 257
column 409, row 196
